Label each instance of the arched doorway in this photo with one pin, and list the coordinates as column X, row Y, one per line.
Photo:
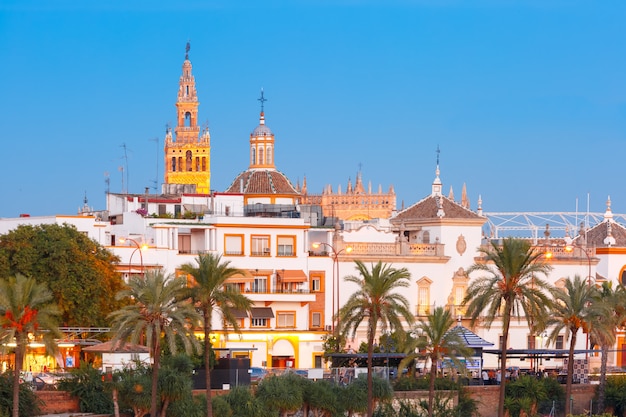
column 283, row 355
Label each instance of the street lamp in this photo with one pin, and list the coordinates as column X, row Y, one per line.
column 334, row 253
column 138, row 247
column 570, row 248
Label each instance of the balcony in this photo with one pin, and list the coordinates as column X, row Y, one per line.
column 295, row 295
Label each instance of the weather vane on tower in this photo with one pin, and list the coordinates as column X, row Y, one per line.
column 187, row 48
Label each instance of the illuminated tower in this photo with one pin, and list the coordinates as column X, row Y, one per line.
column 188, row 154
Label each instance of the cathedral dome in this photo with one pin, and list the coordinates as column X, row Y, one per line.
column 262, row 130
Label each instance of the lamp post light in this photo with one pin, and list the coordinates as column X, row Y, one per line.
column 334, row 253
column 138, row 247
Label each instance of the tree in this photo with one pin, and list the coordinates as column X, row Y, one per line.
column 438, row 339
column 281, row 393
column 209, row 293
column 605, row 333
column 575, row 308
column 511, row 286
column 158, row 307
column 80, row 273
column 26, row 307
column 175, row 380
column 378, row 301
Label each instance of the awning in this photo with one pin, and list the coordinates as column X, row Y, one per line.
column 196, row 208
column 239, row 314
column 262, row 313
column 291, row 275
column 245, row 276
column 109, row 347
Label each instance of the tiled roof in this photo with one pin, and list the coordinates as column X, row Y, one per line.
column 261, row 182
column 429, row 207
column 470, row 338
column 596, row 235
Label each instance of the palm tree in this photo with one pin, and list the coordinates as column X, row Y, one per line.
column 26, row 307
column 438, row 339
column 614, row 301
column 158, row 307
column 377, row 300
column 209, row 293
column 575, row 308
column 511, row 286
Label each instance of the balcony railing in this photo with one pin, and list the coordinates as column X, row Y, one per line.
column 276, row 291
column 397, row 249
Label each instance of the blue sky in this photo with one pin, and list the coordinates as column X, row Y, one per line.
column 525, row 99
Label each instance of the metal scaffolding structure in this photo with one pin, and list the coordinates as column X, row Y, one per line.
column 533, row 224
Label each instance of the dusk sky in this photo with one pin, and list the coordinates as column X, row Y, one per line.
column 526, row 99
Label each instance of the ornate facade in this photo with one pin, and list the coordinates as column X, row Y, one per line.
column 355, row 203
column 188, row 152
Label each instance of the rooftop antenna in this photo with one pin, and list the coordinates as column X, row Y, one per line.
column 121, row 169
column 125, row 168
column 156, row 178
column 262, row 100
column 107, row 182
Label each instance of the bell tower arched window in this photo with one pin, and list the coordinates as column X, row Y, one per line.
column 187, row 119
column 188, row 162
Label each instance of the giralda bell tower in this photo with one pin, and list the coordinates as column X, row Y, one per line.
column 188, row 152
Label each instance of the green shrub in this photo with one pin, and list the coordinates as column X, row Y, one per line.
column 615, row 394
column 29, row 402
column 410, row 383
column 87, row 384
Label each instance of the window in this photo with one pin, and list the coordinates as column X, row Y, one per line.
column 259, row 285
column 258, row 322
column 286, row 319
column 316, row 284
column 234, row 286
column 318, row 360
column 260, row 316
column 286, row 246
column 316, row 319
column 260, row 245
column 188, row 161
column 184, row 243
column 559, row 342
column 423, row 296
column 228, row 325
column 233, row 244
